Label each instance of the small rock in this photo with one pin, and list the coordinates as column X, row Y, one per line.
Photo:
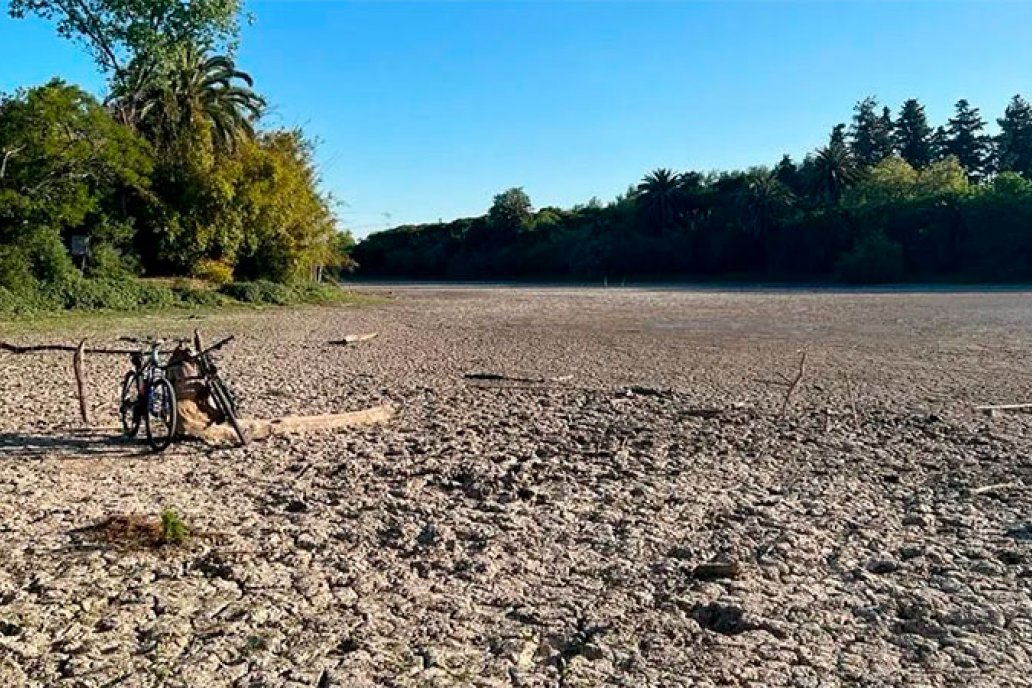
column 296, row 506
column 882, row 566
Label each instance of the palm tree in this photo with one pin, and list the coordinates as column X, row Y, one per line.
column 660, row 196
column 762, row 200
column 833, row 171
column 193, row 89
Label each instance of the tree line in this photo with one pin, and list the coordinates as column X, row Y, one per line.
column 888, row 198
column 170, row 173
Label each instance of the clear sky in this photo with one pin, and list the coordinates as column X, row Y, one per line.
column 425, row 110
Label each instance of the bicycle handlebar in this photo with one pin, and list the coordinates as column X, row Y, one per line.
column 214, row 347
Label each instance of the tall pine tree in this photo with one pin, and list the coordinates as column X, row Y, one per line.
column 913, row 135
column 870, row 135
column 966, row 140
column 1014, row 144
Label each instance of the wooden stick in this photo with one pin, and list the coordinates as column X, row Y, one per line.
column 793, row 385
column 80, row 380
column 355, row 339
column 994, row 488
column 499, row 377
column 1003, row 407
column 46, row 348
column 852, row 403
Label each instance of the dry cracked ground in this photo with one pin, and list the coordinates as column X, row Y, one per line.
column 521, row 533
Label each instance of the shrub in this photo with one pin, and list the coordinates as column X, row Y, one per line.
column 261, row 292
column 173, row 530
column 873, row 259
column 115, row 294
column 213, row 271
column 106, row 262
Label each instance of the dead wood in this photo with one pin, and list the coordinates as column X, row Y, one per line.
column 262, row 429
column 49, row 348
column 993, row 408
column 852, row 403
column 793, row 384
column 78, row 368
column 499, row 377
column 355, row 339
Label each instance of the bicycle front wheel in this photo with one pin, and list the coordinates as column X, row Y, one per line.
column 160, row 417
column 129, row 411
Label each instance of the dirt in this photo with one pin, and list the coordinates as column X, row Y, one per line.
column 633, row 510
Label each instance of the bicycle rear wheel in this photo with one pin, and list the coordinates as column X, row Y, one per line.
column 161, row 414
column 129, row 411
column 224, row 402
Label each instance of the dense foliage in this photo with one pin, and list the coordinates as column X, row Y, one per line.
column 170, row 175
column 887, row 199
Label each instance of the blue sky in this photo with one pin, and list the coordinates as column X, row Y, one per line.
column 424, row 110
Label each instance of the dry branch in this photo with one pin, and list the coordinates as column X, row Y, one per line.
column 852, row 403
column 355, row 339
column 992, row 408
column 793, row 384
column 80, row 380
column 499, row 377
column 50, row 348
column 261, row 429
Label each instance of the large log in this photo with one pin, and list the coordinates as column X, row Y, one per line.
column 221, row 434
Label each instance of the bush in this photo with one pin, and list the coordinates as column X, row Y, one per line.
column 261, row 292
column 108, row 294
column 188, row 296
column 173, row 530
column 872, row 260
column 213, row 271
column 106, row 262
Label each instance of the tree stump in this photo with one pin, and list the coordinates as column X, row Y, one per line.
column 196, row 412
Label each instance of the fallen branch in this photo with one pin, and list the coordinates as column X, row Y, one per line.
column 793, row 384
column 852, row 403
column 498, row 377
column 993, row 408
column 994, row 488
column 260, row 429
column 355, row 339
column 80, row 380
column 48, row 348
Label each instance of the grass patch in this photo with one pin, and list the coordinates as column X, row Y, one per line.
column 137, row 531
column 131, row 295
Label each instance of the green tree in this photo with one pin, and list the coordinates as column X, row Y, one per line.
column 966, row 140
column 660, row 196
column 1014, row 144
column 870, row 134
column 788, row 173
column 913, row 135
column 832, row 171
column 63, row 164
column 892, row 180
column 116, row 32
column 763, row 200
column 511, row 211
column 168, row 101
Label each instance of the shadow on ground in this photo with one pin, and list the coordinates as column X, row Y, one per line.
column 74, row 443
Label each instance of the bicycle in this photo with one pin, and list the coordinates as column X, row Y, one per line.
column 148, row 396
column 224, row 400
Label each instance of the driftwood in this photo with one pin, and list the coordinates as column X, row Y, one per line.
column 260, row 429
column 852, row 403
column 50, row 348
column 80, row 380
column 994, row 408
column 499, row 377
column 996, row 488
column 355, row 339
column 791, row 384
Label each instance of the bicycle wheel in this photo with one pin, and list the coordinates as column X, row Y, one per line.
column 129, row 411
column 160, row 417
column 224, row 402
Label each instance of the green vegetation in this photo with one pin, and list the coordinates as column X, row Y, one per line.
column 888, row 199
column 171, row 175
column 173, row 530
